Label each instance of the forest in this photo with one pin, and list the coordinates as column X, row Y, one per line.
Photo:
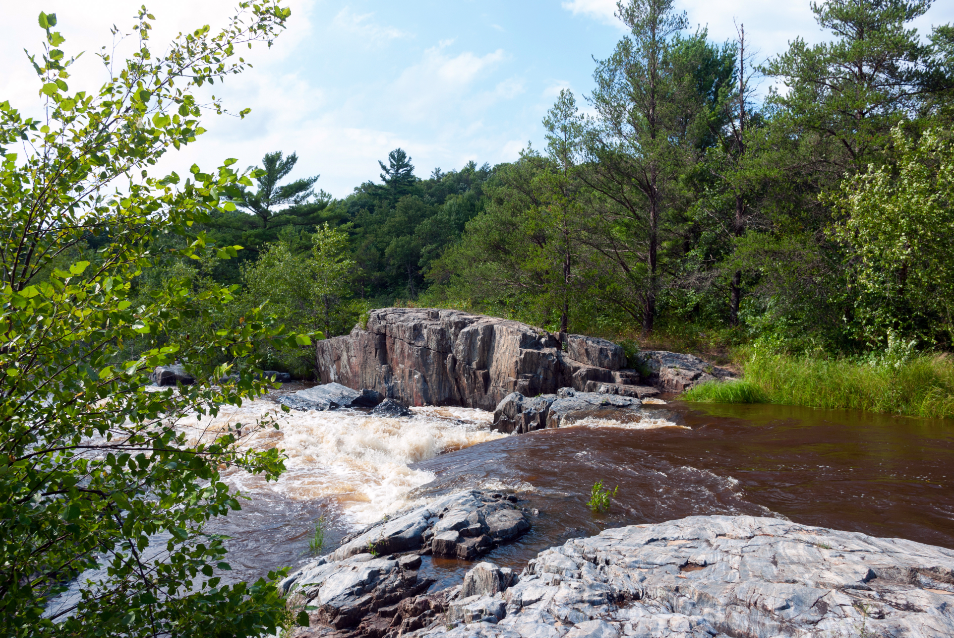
column 698, row 197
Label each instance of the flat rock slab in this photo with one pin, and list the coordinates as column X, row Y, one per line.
column 722, row 576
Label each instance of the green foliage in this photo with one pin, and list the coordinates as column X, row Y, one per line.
column 94, row 467
column 726, row 392
column 317, row 542
column 308, row 291
column 899, row 225
column 270, row 194
column 600, row 497
column 893, row 382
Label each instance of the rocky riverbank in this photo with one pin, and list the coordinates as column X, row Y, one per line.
column 422, row 356
column 698, row 577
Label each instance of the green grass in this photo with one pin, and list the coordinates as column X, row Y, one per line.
column 921, row 386
column 317, row 542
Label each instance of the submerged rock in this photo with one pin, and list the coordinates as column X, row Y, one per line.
column 718, row 576
column 331, row 396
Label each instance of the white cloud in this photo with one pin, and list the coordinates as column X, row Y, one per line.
column 602, row 10
column 363, row 26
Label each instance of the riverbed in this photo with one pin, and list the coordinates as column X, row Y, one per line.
column 882, row 475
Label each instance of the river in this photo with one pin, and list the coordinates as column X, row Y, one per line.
column 882, row 475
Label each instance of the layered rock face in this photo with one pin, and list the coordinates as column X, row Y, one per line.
column 446, row 357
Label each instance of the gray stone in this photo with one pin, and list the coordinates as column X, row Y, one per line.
column 389, row 408
column 476, row 609
column 331, row 396
column 581, row 405
column 635, row 391
column 507, row 524
column 485, row 579
column 171, row 375
column 595, row 352
column 674, row 372
column 517, row 413
column 445, row 543
column 720, row 576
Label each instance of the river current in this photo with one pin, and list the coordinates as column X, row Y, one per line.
column 882, row 475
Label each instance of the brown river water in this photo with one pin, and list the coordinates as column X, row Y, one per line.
column 882, row 475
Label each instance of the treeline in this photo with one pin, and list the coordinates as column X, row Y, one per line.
column 679, row 203
column 818, row 217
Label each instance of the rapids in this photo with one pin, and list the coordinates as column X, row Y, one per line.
column 882, row 475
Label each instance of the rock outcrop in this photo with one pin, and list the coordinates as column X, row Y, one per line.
column 673, row 372
column 171, row 375
column 368, row 588
column 447, row 357
column 708, row 576
column 698, row 577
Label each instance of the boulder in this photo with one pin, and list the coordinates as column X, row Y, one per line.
column 422, row 356
column 331, row 396
column 486, row 579
column 519, row 414
column 364, row 588
column 577, row 406
column 278, row 377
column 171, row 375
column 719, row 576
column 673, row 372
column 389, row 408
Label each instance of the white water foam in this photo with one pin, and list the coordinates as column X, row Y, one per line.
column 643, row 423
column 357, row 460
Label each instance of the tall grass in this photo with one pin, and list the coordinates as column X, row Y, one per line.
column 919, row 386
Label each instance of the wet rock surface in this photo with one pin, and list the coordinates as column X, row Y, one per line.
column 674, row 372
column 368, row 588
column 697, row 577
column 520, row 414
column 331, row 396
column 391, row 409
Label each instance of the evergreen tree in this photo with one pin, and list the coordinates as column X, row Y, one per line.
column 270, row 194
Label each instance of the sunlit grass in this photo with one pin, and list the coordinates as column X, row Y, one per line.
column 921, row 386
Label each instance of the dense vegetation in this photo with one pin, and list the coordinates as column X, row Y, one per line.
column 683, row 209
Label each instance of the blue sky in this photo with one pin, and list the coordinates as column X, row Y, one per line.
column 352, row 79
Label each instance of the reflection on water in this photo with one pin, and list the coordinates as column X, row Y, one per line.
column 881, row 475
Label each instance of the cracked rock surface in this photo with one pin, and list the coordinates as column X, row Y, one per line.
column 720, row 576
column 370, row 585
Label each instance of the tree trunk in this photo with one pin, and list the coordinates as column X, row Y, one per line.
column 736, row 300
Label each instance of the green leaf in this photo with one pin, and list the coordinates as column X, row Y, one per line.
column 79, row 267
column 45, row 21
column 302, row 619
column 49, row 89
column 303, row 340
column 161, row 120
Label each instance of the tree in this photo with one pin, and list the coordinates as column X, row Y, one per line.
column 899, row 229
column 93, row 468
column 270, row 194
column 651, row 123
column 398, row 175
column 849, row 93
column 305, row 289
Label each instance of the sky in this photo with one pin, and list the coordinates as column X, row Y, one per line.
column 350, row 80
